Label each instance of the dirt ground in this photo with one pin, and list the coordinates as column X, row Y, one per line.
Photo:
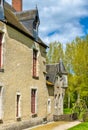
column 61, row 125
column 67, row 125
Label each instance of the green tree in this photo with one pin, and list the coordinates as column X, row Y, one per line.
column 76, row 59
column 55, row 52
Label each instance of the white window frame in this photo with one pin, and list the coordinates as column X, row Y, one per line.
column 19, row 105
column 1, row 102
column 2, row 57
column 49, row 106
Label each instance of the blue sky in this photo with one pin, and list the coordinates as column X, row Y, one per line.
column 60, row 20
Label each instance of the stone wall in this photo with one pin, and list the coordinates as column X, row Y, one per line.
column 17, row 78
column 21, row 125
column 65, row 117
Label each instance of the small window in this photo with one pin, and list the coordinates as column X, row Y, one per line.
column 18, row 101
column 35, row 28
column 1, row 51
column 1, row 104
column 49, row 106
column 34, row 101
column 34, row 25
column 35, row 63
column 65, row 81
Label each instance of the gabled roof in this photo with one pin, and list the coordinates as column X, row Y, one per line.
column 14, row 19
column 51, row 72
column 54, row 69
column 27, row 18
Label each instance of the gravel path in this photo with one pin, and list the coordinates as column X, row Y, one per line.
column 67, row 125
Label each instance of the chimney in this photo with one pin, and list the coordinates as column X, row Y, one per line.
column 17, row 5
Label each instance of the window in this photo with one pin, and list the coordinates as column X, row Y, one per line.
column 49, row 106
column 1, row 51
column 65, row 81
column 18, row 112
column 34, row 101
column 35, row 28
column 1, row 105
column 34, row 63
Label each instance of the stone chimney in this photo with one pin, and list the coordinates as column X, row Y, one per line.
column 17, row 5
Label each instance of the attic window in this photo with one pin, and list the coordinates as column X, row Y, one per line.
column 35, row 28
column 47, row 77
column 35, row 23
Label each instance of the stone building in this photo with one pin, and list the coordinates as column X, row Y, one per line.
column 25, row 96
column 57, row 82
column 23, row 91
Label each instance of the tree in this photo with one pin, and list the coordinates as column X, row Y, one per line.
column 55, row 52
column 76, row 59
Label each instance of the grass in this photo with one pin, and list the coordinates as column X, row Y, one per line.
column 67, row 111
column 82, row 126
column 49, row 126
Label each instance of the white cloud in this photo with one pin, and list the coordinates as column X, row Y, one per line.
column 61, row 17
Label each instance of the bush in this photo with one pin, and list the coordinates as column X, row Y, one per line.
column 80, row 108
column 67, row 110
column 85, row 116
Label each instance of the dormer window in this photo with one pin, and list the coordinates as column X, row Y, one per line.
column 35, row 23
column 35, row 28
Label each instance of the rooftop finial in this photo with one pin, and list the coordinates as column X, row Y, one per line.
column 36, row 7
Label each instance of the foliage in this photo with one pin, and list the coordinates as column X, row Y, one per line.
column 80, row 108
column 75, row 58
column 54, row 53
column 76, row 62
column 67, row 111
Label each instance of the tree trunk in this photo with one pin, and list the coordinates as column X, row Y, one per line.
column 78, row 99
column 69, row 100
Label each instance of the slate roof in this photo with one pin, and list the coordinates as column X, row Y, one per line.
column 18, row 21
column 27, row 18
column 12, row 19
column 24, row 15
column 54, row 69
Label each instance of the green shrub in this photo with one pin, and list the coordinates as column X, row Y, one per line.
column 85, row 116
column 80, row 108
column 67, row 110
